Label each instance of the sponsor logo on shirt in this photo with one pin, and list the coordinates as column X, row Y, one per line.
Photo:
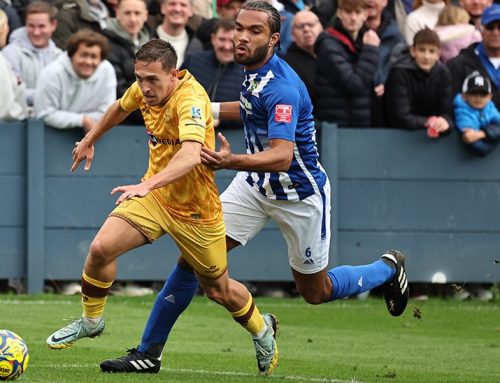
column 283, row 113
column 155, row 140
column 196, row 112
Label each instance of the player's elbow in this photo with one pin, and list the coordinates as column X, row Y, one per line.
column 284, row 164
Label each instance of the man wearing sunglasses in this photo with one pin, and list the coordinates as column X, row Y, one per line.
column 483, row 56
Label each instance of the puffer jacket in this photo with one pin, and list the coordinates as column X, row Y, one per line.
column 345, row 74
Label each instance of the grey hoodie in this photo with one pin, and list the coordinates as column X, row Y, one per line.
column 27, row 60
column 62, row 98
column 12, row 99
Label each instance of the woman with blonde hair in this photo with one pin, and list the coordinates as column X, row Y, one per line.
column 12, row 99
column 455, row 32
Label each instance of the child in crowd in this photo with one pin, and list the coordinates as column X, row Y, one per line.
column 476, row 115
column 418, row 90
column 455, row 31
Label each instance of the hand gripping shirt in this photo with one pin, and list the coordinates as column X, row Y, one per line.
column 274, row 104
column 186, row 116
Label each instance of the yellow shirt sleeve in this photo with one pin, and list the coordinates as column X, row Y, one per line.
column 192, row 111
column 131, row 99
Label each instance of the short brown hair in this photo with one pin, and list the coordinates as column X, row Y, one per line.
column 426, row 36
column 158, row 50
column 41, row 7
column 351, row 5
column 144, row 1
column 88, row 38
column 225, row 24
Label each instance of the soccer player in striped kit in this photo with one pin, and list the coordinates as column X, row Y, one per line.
column 279, row 178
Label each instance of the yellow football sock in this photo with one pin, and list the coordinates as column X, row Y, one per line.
column 94, row 296
column 249, row 317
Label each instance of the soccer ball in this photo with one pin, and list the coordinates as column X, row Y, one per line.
column 14, row 356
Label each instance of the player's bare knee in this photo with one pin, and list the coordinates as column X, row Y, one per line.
column 98, row 254
column 313, row 299
column 314, row 296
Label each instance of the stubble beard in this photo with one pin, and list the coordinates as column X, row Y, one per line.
column 259, row 54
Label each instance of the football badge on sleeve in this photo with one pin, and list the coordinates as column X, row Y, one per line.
column 283, row 113
column 196, row 112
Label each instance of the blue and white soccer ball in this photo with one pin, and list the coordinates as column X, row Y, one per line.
column 14, row 355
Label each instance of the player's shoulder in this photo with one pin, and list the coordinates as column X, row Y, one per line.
column 189, row 84
column 283, row 75
column 281, row 85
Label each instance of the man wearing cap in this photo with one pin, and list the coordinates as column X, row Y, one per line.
column 476, row 116
column 483, row 57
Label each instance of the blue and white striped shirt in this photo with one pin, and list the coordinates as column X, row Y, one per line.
column 274, row 104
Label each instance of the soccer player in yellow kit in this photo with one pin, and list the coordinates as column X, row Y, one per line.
column 177, row 196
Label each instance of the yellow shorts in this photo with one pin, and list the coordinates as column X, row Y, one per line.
column 203, row 247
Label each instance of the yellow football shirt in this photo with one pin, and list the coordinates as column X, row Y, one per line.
column 185, row 116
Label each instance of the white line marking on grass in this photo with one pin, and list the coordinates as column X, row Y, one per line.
column 219, row 373
column 245, row 374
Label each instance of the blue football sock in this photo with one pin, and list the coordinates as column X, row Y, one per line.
column 353, row 280
column 171, row 301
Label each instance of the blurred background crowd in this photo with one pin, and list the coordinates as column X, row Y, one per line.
column 407, row 64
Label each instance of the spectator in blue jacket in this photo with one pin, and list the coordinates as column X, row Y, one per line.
column 476, row 116
column 381, row 21
column 482, row 56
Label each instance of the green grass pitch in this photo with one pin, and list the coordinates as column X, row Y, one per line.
column 344, row 341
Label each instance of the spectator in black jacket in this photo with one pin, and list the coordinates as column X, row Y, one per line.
column 418, row 90
column 483, row 56
column 306, row 28
column 347, row 59
column 126, row 33
column 216, row 69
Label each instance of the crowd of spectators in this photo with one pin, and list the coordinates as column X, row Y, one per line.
column 366, row 63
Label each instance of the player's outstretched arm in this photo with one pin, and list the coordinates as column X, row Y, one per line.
column 226, row 110
column 276, row 159
column 84, row 149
